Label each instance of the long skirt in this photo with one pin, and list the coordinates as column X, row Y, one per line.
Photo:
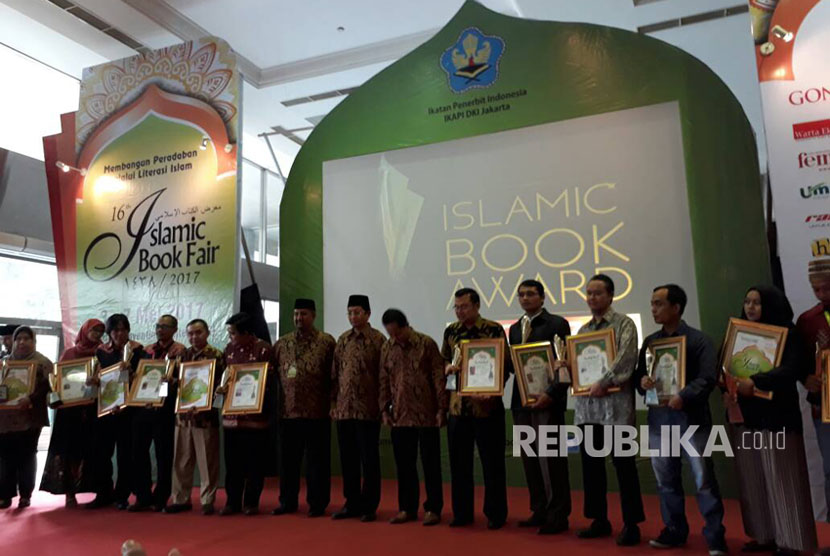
column 68, row 468
column 774, row 488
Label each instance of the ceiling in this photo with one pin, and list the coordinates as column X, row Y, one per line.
column 291, row 49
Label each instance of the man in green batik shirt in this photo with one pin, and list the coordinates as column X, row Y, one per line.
column 475, row 420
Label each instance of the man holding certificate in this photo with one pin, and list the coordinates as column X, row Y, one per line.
column 246, row 433
column 475, row 420
column 354, row 400
column 690, row 406
column 304, row 362
column 601, row 409
column 547, row 477
column 197, row 433
column 156, row 426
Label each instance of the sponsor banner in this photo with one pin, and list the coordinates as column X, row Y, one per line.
column 792, row 39
column 147, row 210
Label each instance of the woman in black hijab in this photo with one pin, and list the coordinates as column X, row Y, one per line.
column 776, row 506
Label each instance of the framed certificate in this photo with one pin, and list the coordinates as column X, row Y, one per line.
column 70, row 382
column 590, row 356
column 18, row 381
column 482, row 367
column 246, row 389
column 668, row 369
column 195, row 386
column 146, row 386
column 112, row 392
column 534, row 369
column 751, row 348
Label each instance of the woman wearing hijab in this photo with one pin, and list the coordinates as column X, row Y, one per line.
column 20, row 427
column 774, row 488
column 68, row 461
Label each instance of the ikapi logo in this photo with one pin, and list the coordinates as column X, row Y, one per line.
column 473, row 61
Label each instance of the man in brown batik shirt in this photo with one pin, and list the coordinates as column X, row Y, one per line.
column 304, row 360
column 354, row 399
column 413, row 401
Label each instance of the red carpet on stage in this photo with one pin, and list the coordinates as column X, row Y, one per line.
column 48, row 528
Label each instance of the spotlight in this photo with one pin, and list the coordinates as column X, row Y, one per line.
column 782, row 33
column 204, row 144
column 228, row 148
column 64, row 167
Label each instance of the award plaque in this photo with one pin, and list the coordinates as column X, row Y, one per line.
column 146, row 386
column 669, row 368
column 18, row 380
column 70, row 382
column 482, row 367
column 590, row 356
column 751, row 348
column 112, row 392
column 246, row 391
column 195, row 386
column 534, row 369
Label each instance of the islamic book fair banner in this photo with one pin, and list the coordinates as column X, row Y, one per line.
column 143, row 190
column 792, row 38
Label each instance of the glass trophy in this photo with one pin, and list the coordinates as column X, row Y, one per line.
column 452, row 380
column 651, row 394
column 559, row 349
column 219, row 399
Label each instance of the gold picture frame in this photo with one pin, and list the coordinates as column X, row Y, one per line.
column 112, row 391
column 19, row 378
column 752, row 347
column 196, row 386
column 486, row 354
column 73, row 392
column 533, row 364
column 146, row 384
column 668, row 369
column 246, row 389
column 603, row 351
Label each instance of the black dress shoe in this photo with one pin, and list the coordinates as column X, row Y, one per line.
column 158, row 507
column 251, row 510
column 316, row 513
column 553, row 528
column 344, row 513
column 5, row 504
column 493, row 525
column 122, row 505
column 229, row 510
column 282, row 510
column 97, row 503
column 457, row 522
column 597, row 529
column 368, row 518
column 207, row 509
column 138, row 507
column 755, row 546
column 629, row 536
column 532, row 521
column 178, row 508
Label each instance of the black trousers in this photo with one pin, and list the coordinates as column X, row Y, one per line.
column 18, row 463
column 405, row 444
column 113, row 435
column 595, row 482
column 488, row 434
column 245, row 455
column 157, row 427
column 360, row 455
column 310, row 438
column 547, row 477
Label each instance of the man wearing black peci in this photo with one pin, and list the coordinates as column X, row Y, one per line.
column 547, row 477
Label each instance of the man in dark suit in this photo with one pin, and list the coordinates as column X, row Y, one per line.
column 547, row 477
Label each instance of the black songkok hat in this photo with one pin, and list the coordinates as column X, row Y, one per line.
column 8, row 329
column 359, row 301
column 301, row 303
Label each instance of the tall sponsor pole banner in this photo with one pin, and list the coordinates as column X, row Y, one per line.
column 792, row 38
column 145, row 205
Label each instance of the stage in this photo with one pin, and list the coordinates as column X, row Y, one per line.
column 48, row 528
